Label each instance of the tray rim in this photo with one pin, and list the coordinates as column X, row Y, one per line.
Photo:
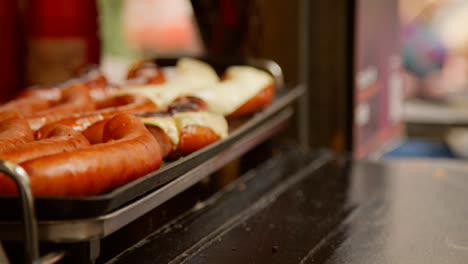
column 115, row 199
column 76, row 230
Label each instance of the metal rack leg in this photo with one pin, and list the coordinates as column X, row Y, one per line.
column 94, row 249
column 31, row 241
column 3, row 257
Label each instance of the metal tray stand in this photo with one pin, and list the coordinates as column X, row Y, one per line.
column 75, row 219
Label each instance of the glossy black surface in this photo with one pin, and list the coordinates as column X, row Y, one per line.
column 418, row 215
column 313, row 208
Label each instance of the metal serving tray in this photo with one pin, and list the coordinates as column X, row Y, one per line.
column 85, row 229
column 62, row 208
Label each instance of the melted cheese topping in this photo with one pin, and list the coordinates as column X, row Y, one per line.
column 167, row 124
column 191, row 75
column 198, row 79
column 216, row 122
column 243, row 83
column 172, row 125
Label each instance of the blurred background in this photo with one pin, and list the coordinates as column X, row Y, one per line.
column 435, row 50
column 47, row 40
column 382, row 78
column 377, row 72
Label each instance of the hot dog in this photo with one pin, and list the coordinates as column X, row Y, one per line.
column 129, row 152
column 178, row 133
column 187, row 104
column 244, row 90
column 193, row 138
column 61, row 139
column 256, row 103
column 165, row 142
column 145, row 72
column 14, row 131
column 182, row 133
column 190, row 75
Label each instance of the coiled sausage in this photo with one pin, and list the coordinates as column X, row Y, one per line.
column 114, row 106
column 14, row 131
column 129, row 152
column 61, row 139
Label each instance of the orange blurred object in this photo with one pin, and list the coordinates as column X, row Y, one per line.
column 161, row 26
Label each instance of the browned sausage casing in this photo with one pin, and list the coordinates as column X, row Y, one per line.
column 35, row 99
column 129, row 152
column 91, row 78
column 95, row 133
column 256, row 103
column 61, row 139
column 14, row 131
column 187, row 104
column 193, row 138
column 145, row 72
column 27, row 105
column 164, row 141
column 117, row 105
column 74, row 99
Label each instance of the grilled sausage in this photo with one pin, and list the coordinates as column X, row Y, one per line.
column 129, row 152
column 165, row 143
column 74, row 99
column 120, row 104
column 242, row 91
column 193, row 138
column 14, row 131
column 27, row 105
column 95, row 132
column 187, row 104
column 145, row 72
column 126, row 103
column 35, row 99
column 182, row 133
column 61, row 139
column 256, row 103
column 91, row 78
column 8, row 114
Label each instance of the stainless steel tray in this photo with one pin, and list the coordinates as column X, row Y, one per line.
column 98, row 227
column 257, row 129
column 61, row 208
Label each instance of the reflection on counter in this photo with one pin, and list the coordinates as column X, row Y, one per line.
column 417, row 216
column 324, row 209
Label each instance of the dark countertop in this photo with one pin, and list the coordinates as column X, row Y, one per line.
column 315, row 208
